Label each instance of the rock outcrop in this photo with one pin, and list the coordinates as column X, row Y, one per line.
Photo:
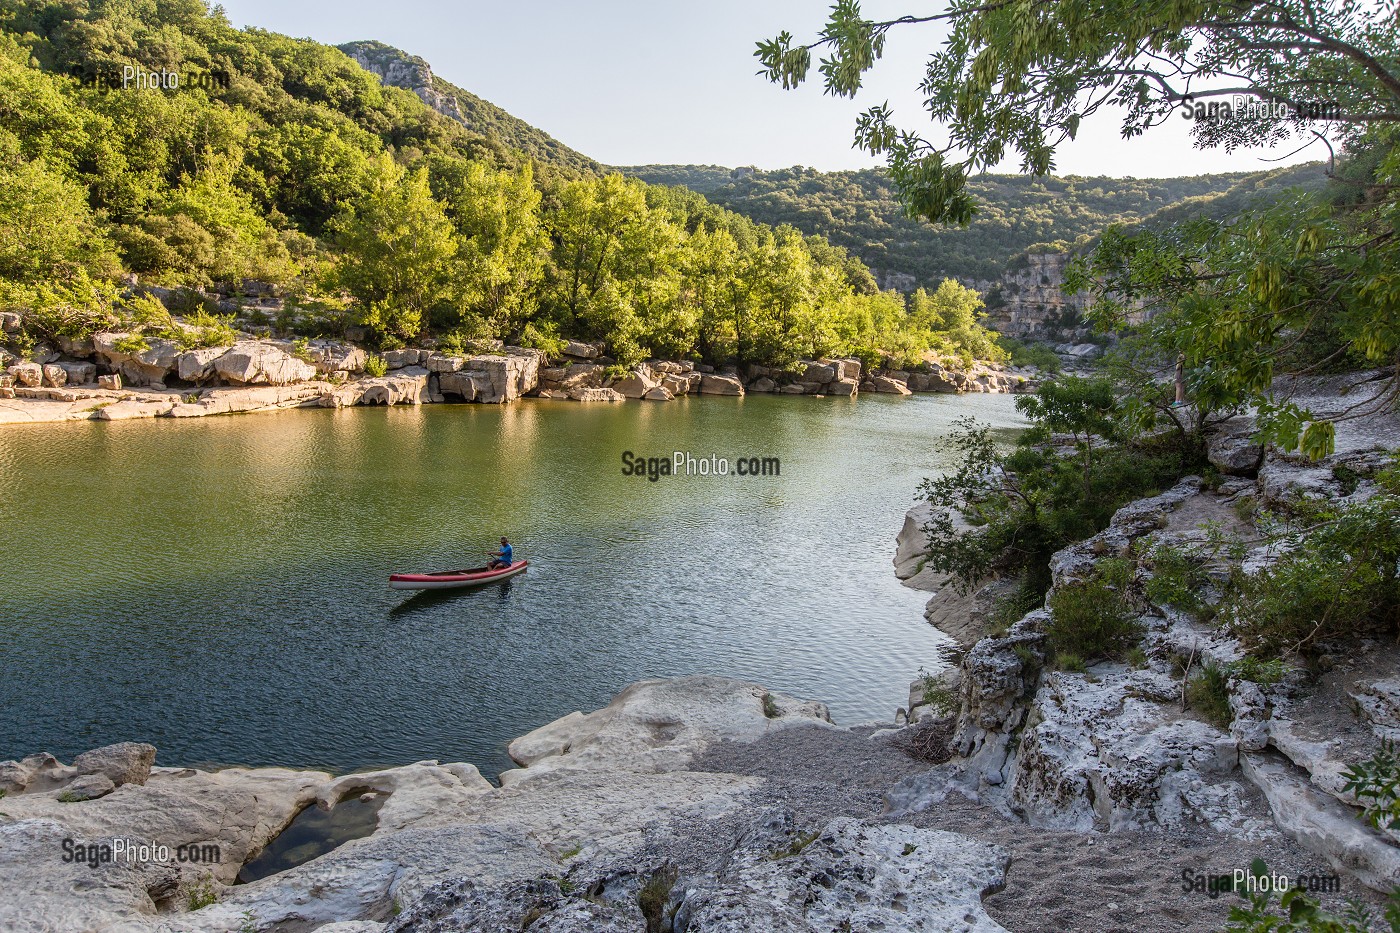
column 570, row 848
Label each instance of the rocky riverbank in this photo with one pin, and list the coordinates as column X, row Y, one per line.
column 115, row 376
column 1116, row 748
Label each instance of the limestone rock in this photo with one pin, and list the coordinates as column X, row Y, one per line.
column 658, row 394
column 676, row 384
column 398, row 359
column 635, row 384
column 462, row 384
column 198, row 365
column 132, row 408
column 583, row 350
column 438, row 363
column 890, row 385
column 842, row 388
column 122, row 763
column 818, row 372
column 27, row 374
column 407, row 386
column 721, row 384
column 590, row 394
column 763, row 384
column 35, row 773
column 88, row 787
column 658, row 725
column 10, row 322
column 867, row 877
column 110, row 382
column 55, row 375
column 79, row 373
column 1232, row 448
column 258, row 363
column 793, row 388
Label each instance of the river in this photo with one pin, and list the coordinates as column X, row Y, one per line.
column 218, row 586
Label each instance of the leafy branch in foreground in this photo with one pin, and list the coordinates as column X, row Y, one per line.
column 1021, row 77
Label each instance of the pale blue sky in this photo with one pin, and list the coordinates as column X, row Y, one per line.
column 630, row 82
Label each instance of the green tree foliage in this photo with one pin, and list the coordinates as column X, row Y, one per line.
column 1275, row 292
column 861, row 211
column 398, row 252
column 303, row 169
column 1007, row 511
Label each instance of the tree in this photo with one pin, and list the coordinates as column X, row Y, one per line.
column 398, row 251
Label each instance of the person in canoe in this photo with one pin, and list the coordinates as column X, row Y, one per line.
column 502, row 558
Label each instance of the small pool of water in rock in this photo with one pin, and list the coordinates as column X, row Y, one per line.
column 313, row 833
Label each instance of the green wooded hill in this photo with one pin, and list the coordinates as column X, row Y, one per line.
column 859, row 211
column 405, row 206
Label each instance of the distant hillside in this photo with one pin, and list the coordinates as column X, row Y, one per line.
column 397, row 68
column 1017, row 214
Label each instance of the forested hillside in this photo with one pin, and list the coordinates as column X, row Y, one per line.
column 859, row 210
column 285, row 161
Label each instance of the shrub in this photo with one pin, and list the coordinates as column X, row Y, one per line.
column 1031, row 354
column 131, row 344
column 201, row 893
column 1028, row 503
column 652, row 898
column 1090, row 620
column 1208, row 693
column 376, row 366
column 1337, row 577
column 203, row 329
column 943, row 700
column 1376, row 783
column 1177, row 579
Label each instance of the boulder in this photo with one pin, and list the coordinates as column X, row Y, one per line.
column 55, row 375
column 557, row 394
column 583, row 350
column 252, row 362
column 27, row 374
column 1233, row 449
column 444, row 364
column 34, row 774
column 721, row 384
column 462, row 384
column 793, row 388
column 407, row 386
column 111, row 382
column 198, row 365
column 890, row 385
column 842, row 387
column 847, row 369
column 123, row 763
column 132, row 408
column 635, row 384
column 594, row 394
column 398, row 359
column 505, row 378
column 658, row 726
column 763, row 384
column 77, row 346
column 88, row 787
column 10, row 322
column 818, row 372
column 658, row 394
column 331, row 355
column 676, row 384
column 572, row 376
column 79, row 373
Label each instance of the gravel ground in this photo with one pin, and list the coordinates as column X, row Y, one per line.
column 1058, row 882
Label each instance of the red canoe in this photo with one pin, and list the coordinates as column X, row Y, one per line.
column 447, row 579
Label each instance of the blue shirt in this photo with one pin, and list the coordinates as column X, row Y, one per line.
column 506, row 554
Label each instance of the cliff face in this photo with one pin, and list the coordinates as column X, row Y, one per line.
column 1028, row 301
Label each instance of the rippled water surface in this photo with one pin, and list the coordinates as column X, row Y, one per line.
column 218, row 586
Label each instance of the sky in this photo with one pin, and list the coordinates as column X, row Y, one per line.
column 631, row 82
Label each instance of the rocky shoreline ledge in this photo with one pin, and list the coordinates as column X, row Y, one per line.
column 113, row 377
